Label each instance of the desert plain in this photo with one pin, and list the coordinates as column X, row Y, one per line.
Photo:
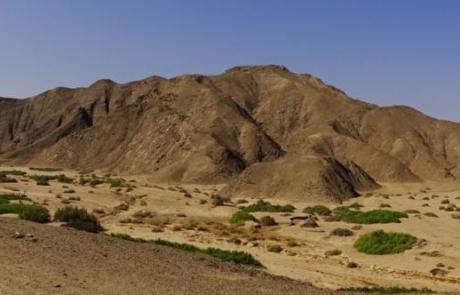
column 315, row 253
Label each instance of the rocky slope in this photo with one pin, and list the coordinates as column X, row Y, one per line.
column 65, row 261
column 262, row 129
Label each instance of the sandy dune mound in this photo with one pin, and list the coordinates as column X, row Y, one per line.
column 233, row 127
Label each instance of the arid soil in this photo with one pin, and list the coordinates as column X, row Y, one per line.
column 65, row 261
column 185, row 213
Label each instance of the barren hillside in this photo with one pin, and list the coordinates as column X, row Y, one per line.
column 261, row 129
column 63, row 261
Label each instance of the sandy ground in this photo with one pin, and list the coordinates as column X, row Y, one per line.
column 177, row 217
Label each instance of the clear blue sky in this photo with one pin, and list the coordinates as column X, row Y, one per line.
column 386, row 52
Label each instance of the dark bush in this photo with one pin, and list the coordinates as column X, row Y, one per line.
column 268, row 221
column 64, row 179
column 342, row 232
column 78, row 218
column 35, row 213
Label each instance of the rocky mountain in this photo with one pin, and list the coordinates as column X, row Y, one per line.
column 263, row 130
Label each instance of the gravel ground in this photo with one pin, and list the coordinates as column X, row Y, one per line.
column 64, row 261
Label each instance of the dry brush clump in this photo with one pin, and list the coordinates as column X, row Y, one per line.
column 430, row 214
column 318, row 210
column 218, row 200
column 267, row 221
column 342, row 232
column 274, row 248
column 78, row 218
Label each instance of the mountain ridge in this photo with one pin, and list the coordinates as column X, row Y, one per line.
column 240, row 127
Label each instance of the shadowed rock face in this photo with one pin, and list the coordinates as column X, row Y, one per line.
column 244, row 127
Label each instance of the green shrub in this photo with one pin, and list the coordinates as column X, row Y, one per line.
column 318, row 210
column 241, row 217
column 347, row 214
column 94, row 181
column 78, row 218
column 44, row 179
column 263, row 206
column 32, row 212
column 35, row 213
column 12, row 208
column 380, row 242
column 237, row 257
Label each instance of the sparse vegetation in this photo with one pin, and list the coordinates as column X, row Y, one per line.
column 380, row 242
column 318, row 210
column 31, row 212
column 5, row 198
column 263, row 206
column 14, row 172
column 78, row 218
column 4, row 178
column 237, row 257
